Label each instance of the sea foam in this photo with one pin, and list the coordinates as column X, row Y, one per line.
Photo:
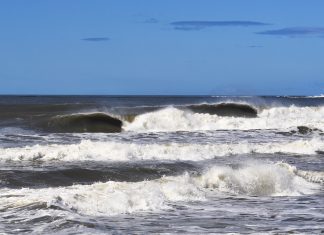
column 88, row 150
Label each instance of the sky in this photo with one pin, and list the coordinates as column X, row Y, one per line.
column 162, row 47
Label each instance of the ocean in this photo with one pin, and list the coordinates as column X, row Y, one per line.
column 161, row 165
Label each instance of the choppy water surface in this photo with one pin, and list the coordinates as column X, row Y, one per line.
column 98, row 165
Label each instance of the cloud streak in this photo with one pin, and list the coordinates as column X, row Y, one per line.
column 295, row 32
column 96, row 39
column 255, row 46
column 151, row 21
column 199, row 25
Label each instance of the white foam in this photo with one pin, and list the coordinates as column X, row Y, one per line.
column 115, row 151
column 257, row 179
column 112, row 198
column 173, row 119
column 311, row 176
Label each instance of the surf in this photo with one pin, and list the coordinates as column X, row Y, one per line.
column 174, row 119
column 111, row 198
column 110, row 151
column 227, row 115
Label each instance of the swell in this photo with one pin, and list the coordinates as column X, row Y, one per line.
column 31, row 114
column 225, row 109
column 80, row 173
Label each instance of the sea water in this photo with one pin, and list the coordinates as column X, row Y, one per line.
column 169, row 167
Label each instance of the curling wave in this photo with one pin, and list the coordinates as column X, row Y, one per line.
column 111, row 198
column 88, row 150
column 88, row 122
column 225, row 109
column 107, row 123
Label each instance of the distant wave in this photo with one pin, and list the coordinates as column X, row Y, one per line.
column 107, row 123
column 191, row 117
column 303, row 97
column 113, row 198
column 317, row 96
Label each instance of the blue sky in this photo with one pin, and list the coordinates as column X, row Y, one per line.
column 143, row 47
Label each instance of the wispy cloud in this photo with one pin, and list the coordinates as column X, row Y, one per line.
column 199, row 25
column 151, row 21
column 96, row 39
column 255, row 46
column 296, row 31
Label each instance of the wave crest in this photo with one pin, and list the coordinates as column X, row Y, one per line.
column 280, row 179
column 88, row 150
column 173, row 119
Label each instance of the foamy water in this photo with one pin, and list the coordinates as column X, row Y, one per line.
column 113, row 198
column 116, row 151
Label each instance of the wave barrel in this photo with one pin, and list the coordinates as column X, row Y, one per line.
column 94, row 122
column 226, row 109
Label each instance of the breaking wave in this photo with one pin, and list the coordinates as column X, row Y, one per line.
column 258, row 179
column 112, row 198
column 88, row 150
column 173, row 119
column 191, row 117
